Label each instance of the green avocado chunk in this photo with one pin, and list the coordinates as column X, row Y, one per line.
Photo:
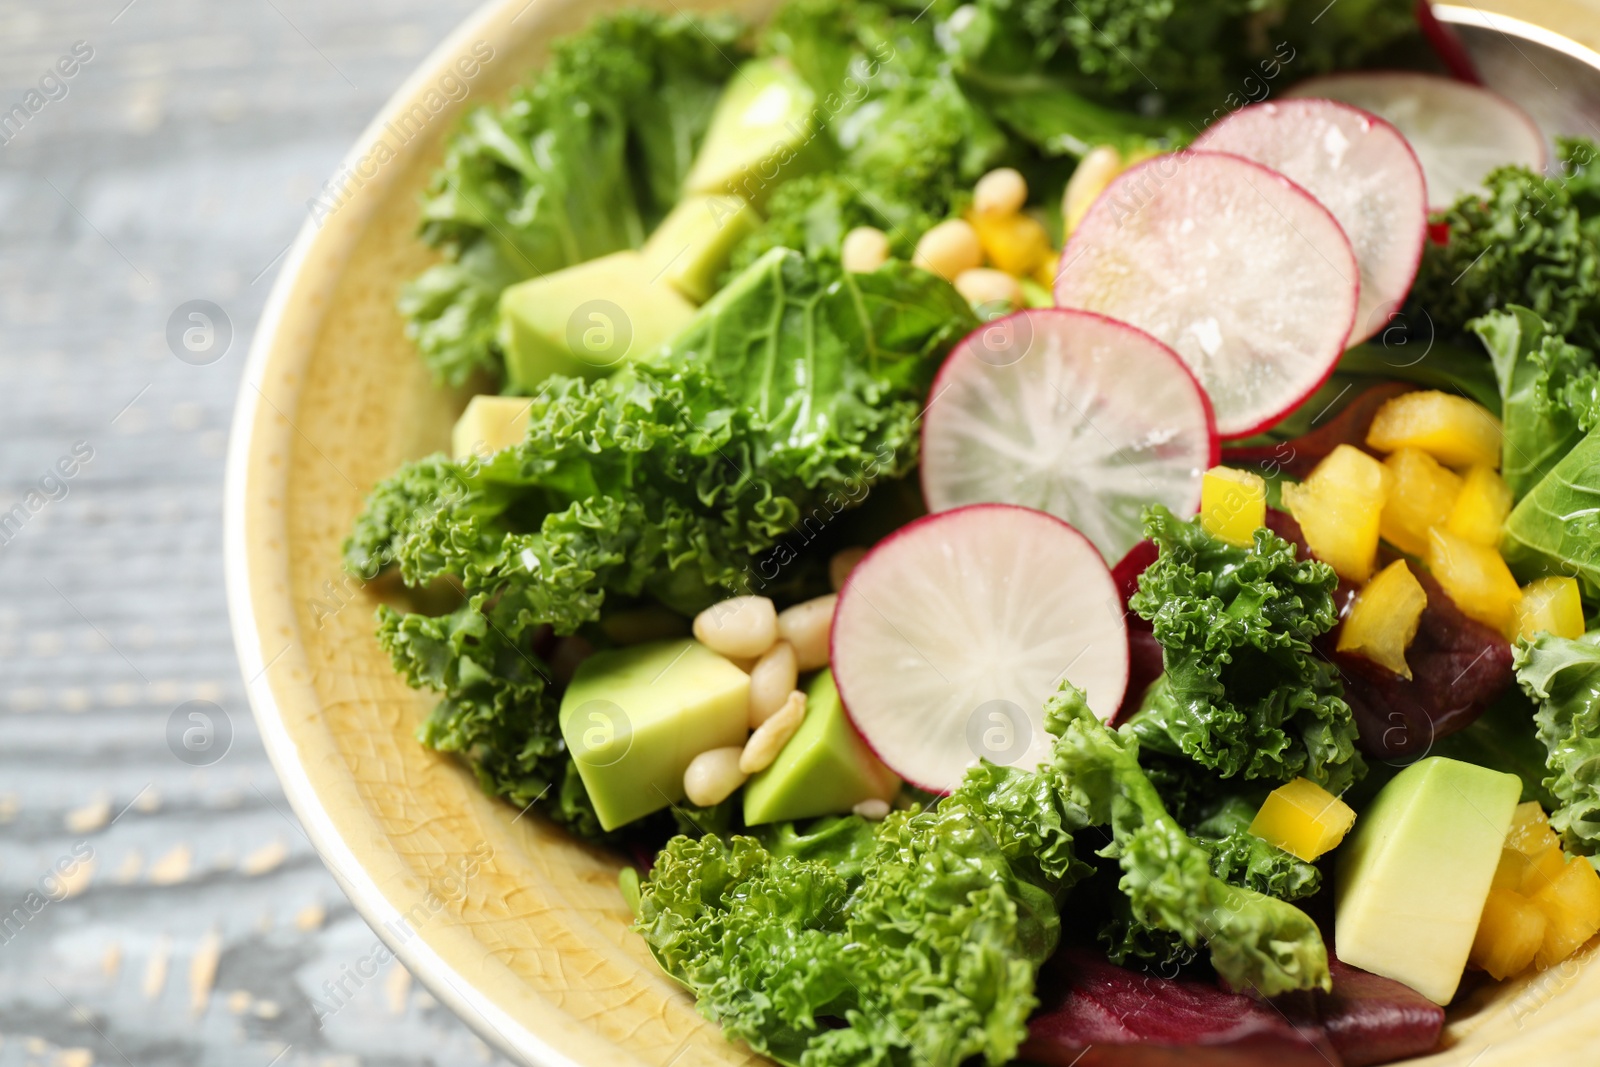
column 633, row 718
column 825, row 769
column 587, row 320
column 692, row 246
column 764, row 131
column 1413, row 877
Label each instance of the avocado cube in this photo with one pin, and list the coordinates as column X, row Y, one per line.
column 692, row 246
column 587, row 320
column 826, row 768
column 489, row 425
column 763, row 131
column 633, row 718
column 1413, row 877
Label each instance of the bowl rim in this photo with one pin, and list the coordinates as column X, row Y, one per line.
column 326, row 244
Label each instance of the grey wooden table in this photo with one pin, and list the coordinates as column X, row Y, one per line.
column 154, row 909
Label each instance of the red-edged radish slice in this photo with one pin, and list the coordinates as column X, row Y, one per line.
column 1361, row 169
column 951, row 633
column 1239, row 270
column 1460, row 132
column 1071, row 413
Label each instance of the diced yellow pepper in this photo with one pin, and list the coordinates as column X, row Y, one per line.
column 1423, row 495
column 1571, row 906
column 1303, row 819
column 1476, row 578
column 1451, row 429
column 1482, row 507
column 1530, row 832
column 1508, row 875
column 1510, row 933
column 1383, row 620
column 1233, row 505
column 1017, row 244
column 1338, row 508
column 1550, row 605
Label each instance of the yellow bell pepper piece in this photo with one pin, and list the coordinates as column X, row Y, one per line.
column 1423, row 495
column 1451, row 429
column 1510, row 933
column 1571, row 906
column 1303, row 819
column 1233, row 505
column 1550, row 605
column 1017, row 244
column 1383, row 620
column 1481, row 509
column 1338, row 508
column 1476, row 578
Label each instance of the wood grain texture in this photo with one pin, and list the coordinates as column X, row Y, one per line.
column 508, row 921
column 203, row 926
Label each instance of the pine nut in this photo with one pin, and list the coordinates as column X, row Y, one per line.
column 1000, row 192
column 742, row 626
column 1094, row 172
column 843, row 562
column 765, row 744
column 772, row 679
column 985, row 288
column 865, row 249
column 948, row 249
column 806, row 626
column 712, row 776
column 872, row 809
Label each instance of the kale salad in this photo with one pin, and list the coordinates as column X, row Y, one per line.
column 1038, row 530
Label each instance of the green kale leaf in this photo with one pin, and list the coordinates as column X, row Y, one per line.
column 1563, row 676
column 1548, row 390
column 918, row 941
column 1243, row 695
column 789, row 397
column 583, row 161
column 1533, row 241
column 1256, row 941
column 1555, row 528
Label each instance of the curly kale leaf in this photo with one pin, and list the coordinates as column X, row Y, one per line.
column 1244, row 694
column 915, row 942
column 907, row 139
column 1256, row 941
column 583, row 161
column 1550, row 392
column 1563, row 676
column 790, row 396
column 1532, row 241
column 1190, row 57
column 919, row 942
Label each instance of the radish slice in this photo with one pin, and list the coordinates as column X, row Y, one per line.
column 951, row 633
column 1361, row 169
column 1239, row 270
column 1071, row 413
column 1460, row 132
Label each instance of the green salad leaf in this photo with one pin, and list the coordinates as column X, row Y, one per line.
column 787, row 399
column 1533, row 241
column 918, row 941
column 1563, row 676
column 583, row 161
column 1243, row 694
column 1543, row 383
column 1555, row 528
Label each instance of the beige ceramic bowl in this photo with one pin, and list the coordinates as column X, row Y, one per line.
column 519, row 929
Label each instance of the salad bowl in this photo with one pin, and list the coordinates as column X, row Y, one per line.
column 517, row 927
